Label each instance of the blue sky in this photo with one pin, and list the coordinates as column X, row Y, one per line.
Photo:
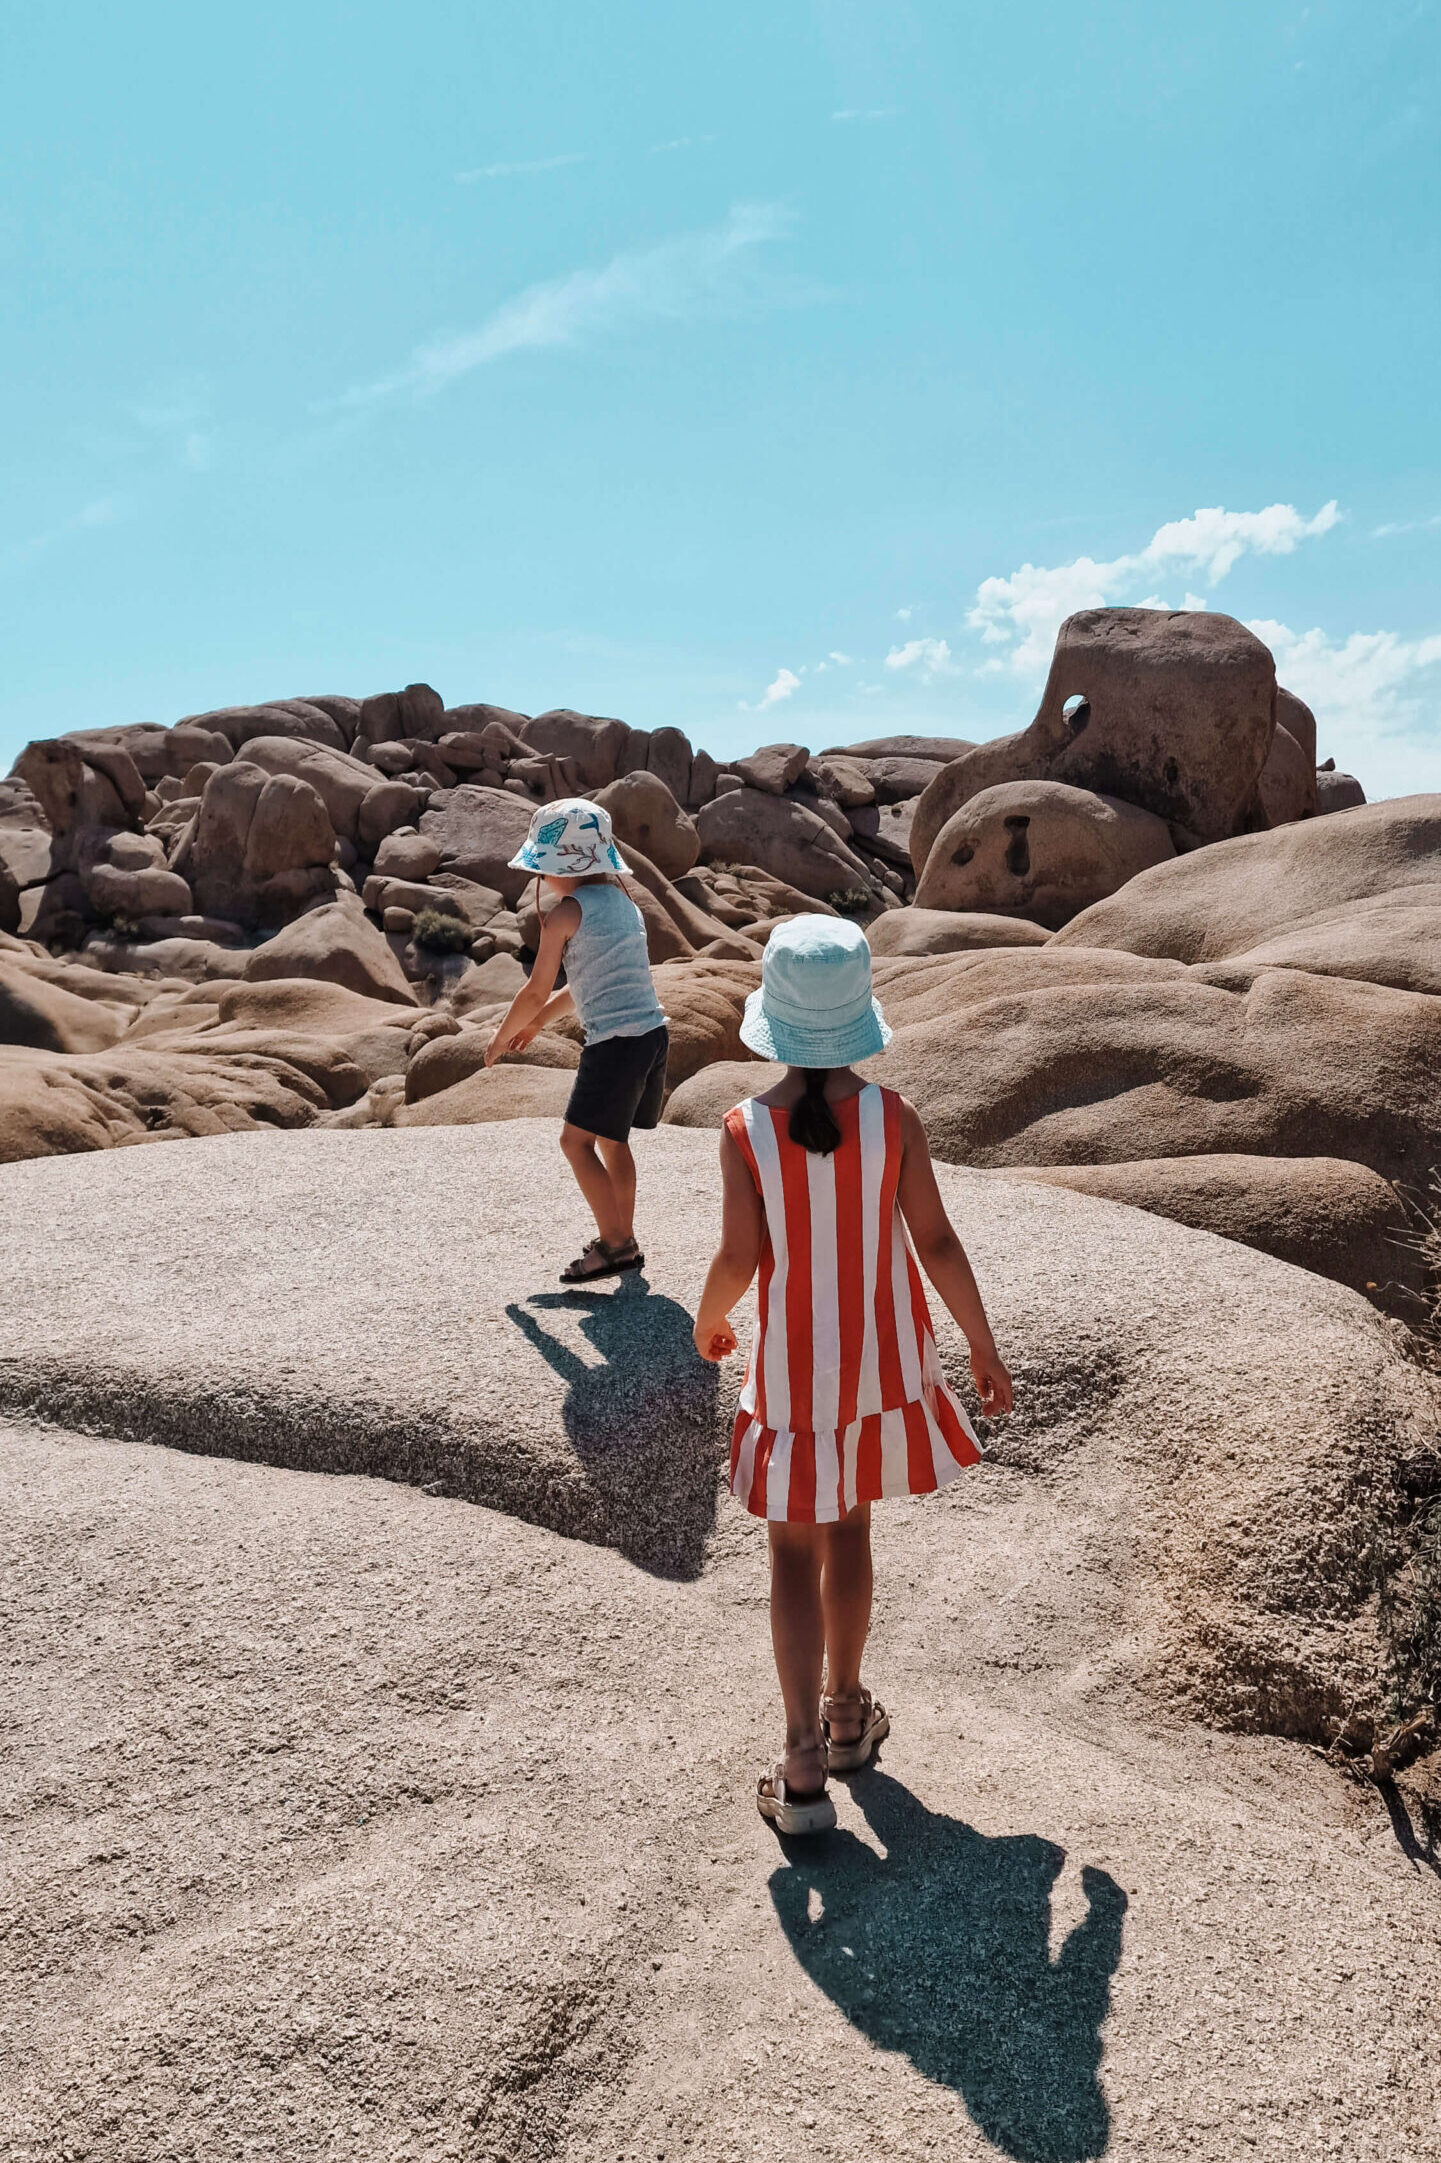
column 779, row 371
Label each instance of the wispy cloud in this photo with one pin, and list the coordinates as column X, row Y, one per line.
column 1024, row 611
column 929, row 657
column 100, row 512
column 1407, row 525
column 904, row 615
column 521, row 166
column 865, row 112
column 702, row 273
column 679, row 142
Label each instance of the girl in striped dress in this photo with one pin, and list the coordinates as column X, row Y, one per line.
column 844, row 1399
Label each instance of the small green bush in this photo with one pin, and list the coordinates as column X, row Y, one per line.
column 438, row 933
column 851, row 900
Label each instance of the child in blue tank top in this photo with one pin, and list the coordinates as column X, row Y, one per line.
column 597, row 930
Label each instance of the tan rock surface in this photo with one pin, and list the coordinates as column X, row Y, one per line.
column 1322, row 1213
column 338, row 944
column 1227, row 899
column 645, row 816
column 330, row 1801
column 917, row 931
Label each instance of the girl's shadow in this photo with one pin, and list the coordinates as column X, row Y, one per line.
column 644, row 1422
column 941, row 1949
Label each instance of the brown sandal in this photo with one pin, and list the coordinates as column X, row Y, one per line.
column 599, row 1260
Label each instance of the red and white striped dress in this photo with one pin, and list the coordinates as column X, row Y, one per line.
column 844, row 1398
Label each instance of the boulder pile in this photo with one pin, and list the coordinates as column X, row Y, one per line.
column 1147, row 931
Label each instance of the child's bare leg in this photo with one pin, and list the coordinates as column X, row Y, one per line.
column 620, row 1164
column 798, row 1638
column 846, row 1606
column 594, row 1181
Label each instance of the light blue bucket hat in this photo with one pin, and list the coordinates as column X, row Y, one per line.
column 815, row 1006
column 570, row 839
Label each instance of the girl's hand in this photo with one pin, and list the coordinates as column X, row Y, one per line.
column 498, row 1046
column 993, row 1383
column 525, row 1034
column 713, row 1340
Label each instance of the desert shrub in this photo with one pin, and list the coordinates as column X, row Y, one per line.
column 124, row 927
column 441, row 934
column 851, row 900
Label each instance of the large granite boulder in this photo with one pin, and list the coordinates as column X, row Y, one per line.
column 477, row 831
column 782, row 837
column 341, row 782
column 1231, row 898
column 646, row 816
column 1170, row 710
column 1325, row 1214
column 1288, row 781
column 591, row 741
column 1039, row 850
column 260, row 848
column 1337, row 792
column 338, row 944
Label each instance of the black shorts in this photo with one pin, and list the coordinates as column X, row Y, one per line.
column 620, row 1084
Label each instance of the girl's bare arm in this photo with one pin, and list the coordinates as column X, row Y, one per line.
column 743, row 1227
column 944, row 1260
column 531, row 1007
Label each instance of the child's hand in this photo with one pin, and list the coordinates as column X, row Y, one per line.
column 498, row 1046
column 993, row 1383
column 713, row 1340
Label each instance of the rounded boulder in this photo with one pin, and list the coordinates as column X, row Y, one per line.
column 1039, row 850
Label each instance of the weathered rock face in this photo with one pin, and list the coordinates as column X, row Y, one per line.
column 774, row 768
column 754, row 826
column 646, row 815
column 934, row 750
column 1175, row 716
column 1324, row 1214
column 918, row 931
column 477, row 831
column 1337, row 792
column 260, row 847
column 1226, row 900
column 1296, row 718
column 341, row 782
column 1039, row 850
column 338, row 944
column 1288, row 781
column 593, row 745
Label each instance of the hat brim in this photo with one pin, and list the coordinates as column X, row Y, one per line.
column 859, row 1038
column 563, row 864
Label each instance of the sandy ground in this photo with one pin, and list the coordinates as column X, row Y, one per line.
column 337, row 1820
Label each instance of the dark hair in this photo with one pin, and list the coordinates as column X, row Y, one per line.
column 812, row 1122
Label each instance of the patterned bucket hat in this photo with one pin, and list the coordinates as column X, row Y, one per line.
column 569, row 840
column 815, row 1006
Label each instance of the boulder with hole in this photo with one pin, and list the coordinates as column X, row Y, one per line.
column 1039, row 850
column 1169, row 710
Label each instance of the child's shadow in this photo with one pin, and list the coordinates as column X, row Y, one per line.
column 644, row 1423
column 941, row 1949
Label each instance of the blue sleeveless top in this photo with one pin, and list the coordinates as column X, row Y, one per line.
column 608, row 969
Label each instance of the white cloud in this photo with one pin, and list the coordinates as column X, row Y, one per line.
column 785, row 682
column 697, row 274
column 102, row 511
column 865, row 112
column 1025, row 611
column 1376, row 697
column 930, row 657
column 841, row 660
column 781, row 688
column 904, row 615
column 521, row 166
